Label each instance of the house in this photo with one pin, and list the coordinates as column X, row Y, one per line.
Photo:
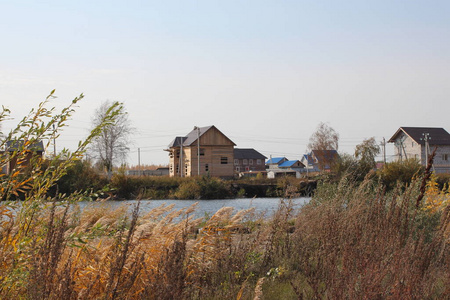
column 419, row 142
column 24, row 152
column 248, row 160
column 319, row 160
column 281, row 166
column 203, row 151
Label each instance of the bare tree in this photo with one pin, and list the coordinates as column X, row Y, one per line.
column 324, row 138
column 113, row 142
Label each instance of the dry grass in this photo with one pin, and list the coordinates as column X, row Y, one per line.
column 351, row 242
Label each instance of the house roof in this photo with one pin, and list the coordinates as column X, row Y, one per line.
column 240, row 153
column 437, row 135
column 16, row 145
column 276, row 160
column 289, row 164
column 326, row 154
column 192, row 136
column 308, row 158
column 177, row 141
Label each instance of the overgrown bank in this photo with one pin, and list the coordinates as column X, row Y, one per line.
column 82, row 177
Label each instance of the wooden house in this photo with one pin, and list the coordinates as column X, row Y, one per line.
column 21, row 153
column 203, row 151
column 419, row 142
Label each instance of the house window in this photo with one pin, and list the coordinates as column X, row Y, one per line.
column 247, row 169
column 258, row 161
column 251, row 161
column 445, row 157
column 236, row 162
column 202, row 152
column 238, row 169
column 245, row 162
column 224, row 160
column 206, row 167
column 186, row 169
column 178, row 154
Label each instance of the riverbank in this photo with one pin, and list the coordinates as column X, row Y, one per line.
column 82, row 177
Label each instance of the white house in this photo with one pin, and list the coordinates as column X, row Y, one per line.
column 419, row 142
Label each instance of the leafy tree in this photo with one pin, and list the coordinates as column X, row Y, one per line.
column 112, row 144
column 324, row 138
column 367, row 151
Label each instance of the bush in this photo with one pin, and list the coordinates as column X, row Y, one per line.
column 401, row 172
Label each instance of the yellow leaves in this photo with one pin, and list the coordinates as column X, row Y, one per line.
column 436, row 199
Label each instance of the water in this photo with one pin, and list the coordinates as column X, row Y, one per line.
column 262, row 205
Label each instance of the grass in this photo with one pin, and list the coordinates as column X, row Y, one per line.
column 351, row 241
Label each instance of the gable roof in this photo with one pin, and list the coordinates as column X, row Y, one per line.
column 192, row 136
column 240, row 153
column 325, row 154
column 437, row 135
column 177, row 141
column 19, row 144
column 276, row 160
column 290, row 163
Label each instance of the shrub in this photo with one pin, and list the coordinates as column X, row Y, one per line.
column 401, row 172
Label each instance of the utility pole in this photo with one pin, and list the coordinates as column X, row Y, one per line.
column 198, row 149
column 426, row 138
column 139, row 161
column 383, row 144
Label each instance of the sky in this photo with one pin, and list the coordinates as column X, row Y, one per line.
column 265, row 73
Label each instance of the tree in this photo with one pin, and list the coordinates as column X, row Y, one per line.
column 324, row 138
column 112, row 144
column 367, row 151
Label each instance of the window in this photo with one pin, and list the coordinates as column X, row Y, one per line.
column 445, row 157
column 178, row 154
column 258, row 161
column 238, row 169
column 206, row 167
column 202, row 152
column 236, row 162
column 223, row 160
column 186, row 169
column 251, row 161
column 245, row 162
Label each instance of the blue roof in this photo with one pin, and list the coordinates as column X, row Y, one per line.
column 288, row 163
column 275, row 160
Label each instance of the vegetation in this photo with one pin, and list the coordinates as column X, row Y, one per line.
column 112, row 143
column 352, row 241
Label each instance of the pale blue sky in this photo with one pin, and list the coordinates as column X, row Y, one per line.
column 264, row 72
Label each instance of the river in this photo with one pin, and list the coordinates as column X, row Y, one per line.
column 262, row 205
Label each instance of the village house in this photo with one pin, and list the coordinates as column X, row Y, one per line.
column 30, row 151
column 248, row 160
column 281, row 166
column 319, row 160
column 203, row 151
column 419, row 143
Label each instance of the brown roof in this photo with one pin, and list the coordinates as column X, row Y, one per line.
column 437, row 135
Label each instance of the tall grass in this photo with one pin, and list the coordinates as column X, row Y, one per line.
column 352, row 241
